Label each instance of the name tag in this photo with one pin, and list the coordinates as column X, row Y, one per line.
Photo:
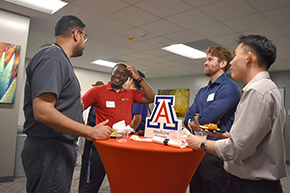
column 210, row 97
column 110, row 104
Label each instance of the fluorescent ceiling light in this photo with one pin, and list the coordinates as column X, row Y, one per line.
column 104, row 63
column 185, row 51
column 46, row 6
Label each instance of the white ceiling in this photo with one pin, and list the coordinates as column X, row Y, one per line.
column 110, row 23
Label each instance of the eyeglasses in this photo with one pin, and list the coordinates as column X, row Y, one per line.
column 86, row 37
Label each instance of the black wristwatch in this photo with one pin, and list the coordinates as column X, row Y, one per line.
column 203, row 145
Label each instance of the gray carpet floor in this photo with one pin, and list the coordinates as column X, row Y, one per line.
column 18, row 185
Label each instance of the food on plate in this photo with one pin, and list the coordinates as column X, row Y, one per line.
column 211, row 127
column 113, row 134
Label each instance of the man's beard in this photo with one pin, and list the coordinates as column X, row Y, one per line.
column 78, row 51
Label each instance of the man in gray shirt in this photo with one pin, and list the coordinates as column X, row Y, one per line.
column 53, row 111
column 253, row 151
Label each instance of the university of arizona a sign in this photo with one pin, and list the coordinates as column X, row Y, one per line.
column 163, row 121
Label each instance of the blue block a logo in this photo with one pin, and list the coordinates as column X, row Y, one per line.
column 163, row 115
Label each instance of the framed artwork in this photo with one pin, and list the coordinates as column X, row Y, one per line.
column 181, row 99
column 9, row 61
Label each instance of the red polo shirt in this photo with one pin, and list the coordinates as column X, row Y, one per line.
column 111, row 105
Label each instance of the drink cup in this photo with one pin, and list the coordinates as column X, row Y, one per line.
column 200, row 134
column 121, row 135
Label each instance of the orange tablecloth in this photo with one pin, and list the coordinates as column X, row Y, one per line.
column 147, row 167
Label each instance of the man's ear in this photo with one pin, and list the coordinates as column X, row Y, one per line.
column 249, row 57
column 223, row 64
column 76, row 35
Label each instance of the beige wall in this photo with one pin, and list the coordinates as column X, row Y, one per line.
column 14, row 30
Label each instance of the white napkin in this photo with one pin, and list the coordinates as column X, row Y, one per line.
column 170, row 142
column 184, row 134
column 121, row 125
column 137, row 138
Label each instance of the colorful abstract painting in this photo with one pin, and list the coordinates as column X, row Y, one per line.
column 181, row 100
column 9, row 61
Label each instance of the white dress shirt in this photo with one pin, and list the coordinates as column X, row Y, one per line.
column 256, row 148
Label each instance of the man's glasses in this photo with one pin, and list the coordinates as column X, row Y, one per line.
column 86, row 37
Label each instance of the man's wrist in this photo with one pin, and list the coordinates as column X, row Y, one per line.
column 139, row 80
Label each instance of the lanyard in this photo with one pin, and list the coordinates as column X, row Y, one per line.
column 63, row 53
column 68, row 61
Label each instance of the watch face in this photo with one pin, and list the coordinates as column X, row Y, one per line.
column 203, row 145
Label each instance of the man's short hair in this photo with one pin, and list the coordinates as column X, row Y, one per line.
column 222, row 54
column 264, row 49
column 120, row 63
column 65, row 26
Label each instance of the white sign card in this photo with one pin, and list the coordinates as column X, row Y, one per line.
column 163, row 121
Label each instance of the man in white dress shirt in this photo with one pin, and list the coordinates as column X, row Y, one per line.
column 253, row 151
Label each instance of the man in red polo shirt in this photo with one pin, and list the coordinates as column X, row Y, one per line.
column 113, row 102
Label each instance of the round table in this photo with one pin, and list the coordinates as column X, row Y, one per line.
column 147, row 167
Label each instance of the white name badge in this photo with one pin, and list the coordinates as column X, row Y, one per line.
column 210, row 97
column 110, row 104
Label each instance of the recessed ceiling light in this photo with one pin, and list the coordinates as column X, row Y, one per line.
column 45, row 6
column 185, row 51
column 104, row 63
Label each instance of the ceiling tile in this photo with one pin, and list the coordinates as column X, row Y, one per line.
column 278, row 16
column 131, row 1
column 117, row 40
column 249, row 22
column 198, row 3
column 263, row 5
column 194, row 18
column 285, row 56
column 213, row 30
column 184, row 36
column 95, row 33
column 269, row 32
column 167, row 27
column 226, row 40
column 281, row 42
column 143, row 56
column 104, row 7
column 159, row 42
column 283, row 50
column 139, row 46
column 157, row 7
column 87, row 16
column 285, row 29
column 227, row 9
column 157, row 52
column 124, row 51
column 140, row 17
column 134, row 32
column 111, row 25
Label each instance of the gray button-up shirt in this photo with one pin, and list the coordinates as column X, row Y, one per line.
column 256, row 147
